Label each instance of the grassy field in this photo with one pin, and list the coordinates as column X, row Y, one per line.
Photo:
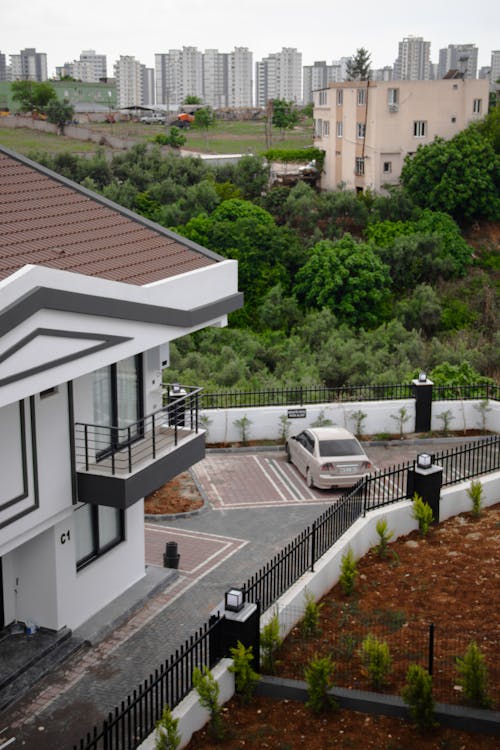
column 224, row 138
column 26, row 141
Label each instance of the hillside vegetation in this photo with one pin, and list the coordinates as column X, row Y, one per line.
column 340, row 288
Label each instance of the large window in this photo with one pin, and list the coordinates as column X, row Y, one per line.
column 360, row 129
column 98, row 529
column 419, row 128
column 118, row 404
column 361, row 97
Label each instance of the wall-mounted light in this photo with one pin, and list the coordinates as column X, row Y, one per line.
column 424, row 461
column 234, row 600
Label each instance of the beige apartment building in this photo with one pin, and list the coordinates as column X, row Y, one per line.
column 367, row 128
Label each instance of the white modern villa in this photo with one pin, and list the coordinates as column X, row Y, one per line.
column 91, row 294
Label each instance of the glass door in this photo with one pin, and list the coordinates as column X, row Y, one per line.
column 117, row 405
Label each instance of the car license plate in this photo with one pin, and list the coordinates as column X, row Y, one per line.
column 348, row 469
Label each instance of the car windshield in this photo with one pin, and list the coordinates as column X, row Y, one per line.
column 340, row 448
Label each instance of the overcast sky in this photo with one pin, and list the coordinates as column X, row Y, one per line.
column 321, row 30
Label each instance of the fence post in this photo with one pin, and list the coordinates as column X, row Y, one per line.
column 422, row 390
column 313, row 546
column 431, row 648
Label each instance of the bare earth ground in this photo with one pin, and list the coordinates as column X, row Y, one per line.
column 180, row 495
column 450, row 578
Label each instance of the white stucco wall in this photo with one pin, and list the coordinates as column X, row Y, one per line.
column 265, row 422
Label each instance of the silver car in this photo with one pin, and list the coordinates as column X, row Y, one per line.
column 328, row 457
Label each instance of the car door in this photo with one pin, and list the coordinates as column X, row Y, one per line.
column 298, row 451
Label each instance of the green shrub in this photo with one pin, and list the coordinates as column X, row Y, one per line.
column 310, row 621
column 243, row 425
column 376, row 660
column 417, row 694
column 245, row 677
column 296, row 154
column 167, row 737
column 475, row 492
column 474, row 677
column 319, row 677
column 349, row 572
column 208, row 690
column 270, row 641
column 422, row 512
column 384, row 537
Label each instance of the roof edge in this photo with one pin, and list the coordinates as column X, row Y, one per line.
column 112, row 205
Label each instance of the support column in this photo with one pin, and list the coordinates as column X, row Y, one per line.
column 426, row 482
column 243, row 626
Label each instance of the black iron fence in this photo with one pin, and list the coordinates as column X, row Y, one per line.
column 382, row 488
column 301, row 395
column 131, row 722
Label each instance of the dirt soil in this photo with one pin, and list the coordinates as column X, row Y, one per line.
column 450, row 578
column 180, row 495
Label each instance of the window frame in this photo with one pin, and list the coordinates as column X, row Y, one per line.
column 361, row 97
column 419, row 128
column 340, row 97
column 340, row 129
column 98, row 549
column 477, row 106
column 361, row 130
column 387, row 167
column 359, row 166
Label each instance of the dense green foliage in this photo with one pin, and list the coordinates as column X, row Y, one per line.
column 59, row 113
column 32, row 96
column 285, row 115
column 460, row 176
column 340, row 288
column 296, row 154
column 358, row 66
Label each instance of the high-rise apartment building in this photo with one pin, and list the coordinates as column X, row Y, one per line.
column 239, row 78
column 28, row 65
column 494, row 69
column 413, row 61
column 178, row 74
column 279, row 76
column 318, row 76
column 461, row 57
column 90, row 68
column 129, row 81
column 3, row 67
column 214, row 78
column 148, row 85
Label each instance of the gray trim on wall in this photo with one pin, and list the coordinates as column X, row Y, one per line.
column 24, row 463
column 34, row 461
column 45, row 298
column 114, row 206
column 105, row 342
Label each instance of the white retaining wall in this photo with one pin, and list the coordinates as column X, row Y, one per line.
column 361, row 537
column 381, row 417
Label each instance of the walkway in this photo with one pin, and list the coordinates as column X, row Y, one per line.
column 257, row 504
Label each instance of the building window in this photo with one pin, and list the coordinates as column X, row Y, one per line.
column 326, row 127
column 340, row 128
column 118, row 406
column 340, row 97
column 387, row 167
column 476, row 106
column 361, row 97
column 360, row 129
column 323, row 97
column 420, row 128
column 318, row 127
column 393, row 100
column 360, row 165
column 98, row 529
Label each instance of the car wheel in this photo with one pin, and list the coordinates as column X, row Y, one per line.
column 309, row 479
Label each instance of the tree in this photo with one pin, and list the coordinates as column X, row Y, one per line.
column 460, row 177
column 285, row 116
column 31, row 95
column 59, row 113
column 204, row 119
column 358, row 66
column 175, row 139
column 347, row 277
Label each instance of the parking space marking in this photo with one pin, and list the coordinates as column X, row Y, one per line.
column 268, row 477
column 197, row 549
column 287, row 474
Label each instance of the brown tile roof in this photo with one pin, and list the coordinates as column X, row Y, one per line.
column 50, row 221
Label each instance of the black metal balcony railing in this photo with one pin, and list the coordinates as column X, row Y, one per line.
column 113, row 450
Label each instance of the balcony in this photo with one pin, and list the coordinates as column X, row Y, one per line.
column 117, row 466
